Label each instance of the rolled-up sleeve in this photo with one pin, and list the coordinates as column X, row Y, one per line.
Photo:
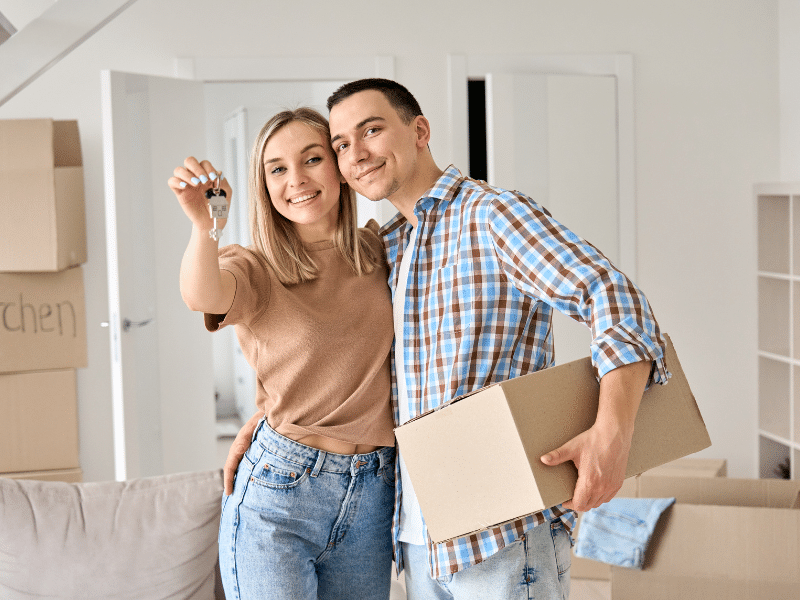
column 550, row 263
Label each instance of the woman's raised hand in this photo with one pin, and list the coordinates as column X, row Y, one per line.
column 190, row 183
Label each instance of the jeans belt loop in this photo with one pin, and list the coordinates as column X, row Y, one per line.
column 318, row 465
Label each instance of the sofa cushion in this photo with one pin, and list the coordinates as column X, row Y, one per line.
column 147, row 538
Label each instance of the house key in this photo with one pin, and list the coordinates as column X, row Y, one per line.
column 217, row 207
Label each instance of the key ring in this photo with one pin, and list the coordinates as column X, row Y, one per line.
column 217, row 183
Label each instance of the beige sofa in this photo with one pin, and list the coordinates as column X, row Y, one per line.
column 152, row 538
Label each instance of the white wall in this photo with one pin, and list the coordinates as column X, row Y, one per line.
column 707, row 128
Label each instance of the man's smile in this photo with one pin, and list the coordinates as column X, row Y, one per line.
column 369, row 171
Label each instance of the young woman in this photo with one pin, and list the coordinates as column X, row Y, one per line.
column 311, row 509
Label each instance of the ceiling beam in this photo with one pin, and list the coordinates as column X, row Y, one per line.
column 50, row 37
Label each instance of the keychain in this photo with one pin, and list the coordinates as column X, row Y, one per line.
column 217, row 206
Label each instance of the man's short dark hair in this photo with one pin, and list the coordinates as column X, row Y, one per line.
column 398, row 96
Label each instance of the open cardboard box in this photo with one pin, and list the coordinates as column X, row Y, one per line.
column 475, row 462
column 732, row 539
column 586, row 568
column 41, row 190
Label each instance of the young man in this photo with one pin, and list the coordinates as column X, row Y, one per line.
column 476, row 272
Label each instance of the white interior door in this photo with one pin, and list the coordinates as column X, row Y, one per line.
column 162, row 379
column 554, row 137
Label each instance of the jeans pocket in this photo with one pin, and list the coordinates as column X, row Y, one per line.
column 279, row 473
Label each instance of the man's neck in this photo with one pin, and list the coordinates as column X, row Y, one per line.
column 406, row 198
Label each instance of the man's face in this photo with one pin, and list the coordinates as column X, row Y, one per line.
column 376, row 150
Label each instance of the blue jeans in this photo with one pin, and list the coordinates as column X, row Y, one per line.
column 305, row 524
column 535, row 566
column 619, row 531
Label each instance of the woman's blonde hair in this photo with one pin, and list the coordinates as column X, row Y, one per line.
column 275, row 236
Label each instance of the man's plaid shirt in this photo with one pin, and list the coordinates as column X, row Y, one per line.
column 488, row 268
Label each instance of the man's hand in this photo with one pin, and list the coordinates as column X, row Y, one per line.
column 601, row 453
column 239, row 446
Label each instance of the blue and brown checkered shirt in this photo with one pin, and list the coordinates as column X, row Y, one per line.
column 487, row 270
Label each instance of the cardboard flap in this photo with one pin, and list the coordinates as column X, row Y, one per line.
column 721, row 491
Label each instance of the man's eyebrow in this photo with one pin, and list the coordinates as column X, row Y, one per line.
column 359, row 125
column 303, row 151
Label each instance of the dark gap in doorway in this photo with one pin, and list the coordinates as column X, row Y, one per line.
column 476, row 111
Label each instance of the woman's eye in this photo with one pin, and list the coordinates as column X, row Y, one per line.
column 277, row 171
column 314, row 160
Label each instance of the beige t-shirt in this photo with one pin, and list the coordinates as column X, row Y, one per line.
column 320, row 349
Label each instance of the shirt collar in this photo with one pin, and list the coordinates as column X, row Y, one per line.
column 445, row 188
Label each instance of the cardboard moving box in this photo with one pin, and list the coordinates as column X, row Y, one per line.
column 38, row 421
column 41, row 185
column 732, row 539
column 42, row 321
column 586, row 568
column 475, row 462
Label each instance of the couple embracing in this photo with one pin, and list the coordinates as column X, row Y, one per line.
column 317, row 503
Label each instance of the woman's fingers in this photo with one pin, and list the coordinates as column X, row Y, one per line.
column 176, row 184
column 194, row 173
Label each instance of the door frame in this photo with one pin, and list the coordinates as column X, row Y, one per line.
column 461, row 68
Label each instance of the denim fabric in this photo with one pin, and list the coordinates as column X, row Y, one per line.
column 302, row 523
column 535, row 566
column 618, row 531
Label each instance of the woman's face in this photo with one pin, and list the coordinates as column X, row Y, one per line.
column 302, row 180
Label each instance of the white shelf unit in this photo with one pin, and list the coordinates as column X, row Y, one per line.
column 778, row 232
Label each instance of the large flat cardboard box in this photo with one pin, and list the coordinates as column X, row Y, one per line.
column 732, row 539
column 585, row 568
column 41, row 195
column 475, row 462
column 42, row 321
column 38, row 421
column 65, row 475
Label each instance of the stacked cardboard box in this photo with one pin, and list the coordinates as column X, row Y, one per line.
column 42, row 307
